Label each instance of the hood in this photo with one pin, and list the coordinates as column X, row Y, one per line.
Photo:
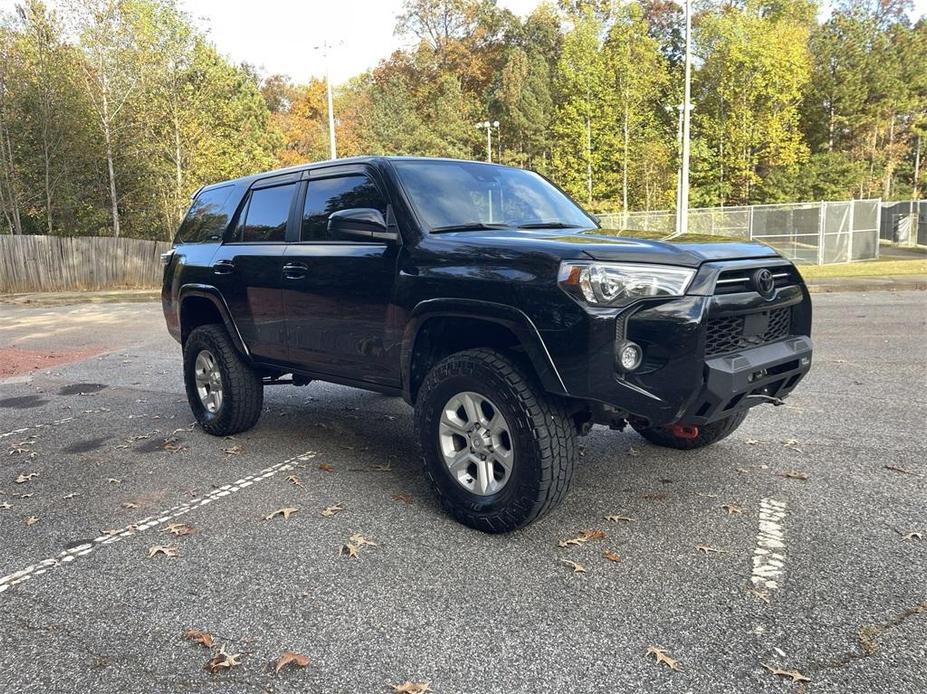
column 617, row 246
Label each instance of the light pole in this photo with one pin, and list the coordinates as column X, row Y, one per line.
column 333, row 151
column 682, row 208
column 489, row 126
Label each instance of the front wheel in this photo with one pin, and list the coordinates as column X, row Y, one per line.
column 499, row 453
column 707, row 434
column 225, row 393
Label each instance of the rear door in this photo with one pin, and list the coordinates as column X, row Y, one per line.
column 249, row 266
column 338, row 294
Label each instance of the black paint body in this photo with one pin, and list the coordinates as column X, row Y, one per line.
column 353, row 311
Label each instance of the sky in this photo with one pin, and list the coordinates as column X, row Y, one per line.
column 281, row 36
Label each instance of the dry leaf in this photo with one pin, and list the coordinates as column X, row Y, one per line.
column 129, row 504
column 290, row 658
column 403, row 498
column 382, row 468
column 707, row 549
column 732, row 509
column 69, row 496
column 752, row 442
column 794, row 475
column 620, row 519
column 583, row 538
column 285, row 512
column 32, row 520
column 223, row 660
column 330, row 511
column 412, row 687
column 903, row 471
column 173, row 445
column 361, row 541
column 577, row 567
column 178, row 529
column 914, row 535
column 759, row 594
column 5, row 505
column 349, row 549
column 166, row 550
column 325, row 467
column 295, row 480
column 203, row 638
column 25, row 477
column 113, row 480
column 661, row 656
column 611, row 556
column 794, row 675
column 232, row 450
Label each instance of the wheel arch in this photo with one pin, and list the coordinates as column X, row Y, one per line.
column 200, row 304
column 438, row 327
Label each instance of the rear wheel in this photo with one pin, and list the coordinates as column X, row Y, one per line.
column 225, row 394
column 499, row 453
column 707, row 434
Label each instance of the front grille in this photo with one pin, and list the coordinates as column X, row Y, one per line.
column 727, row 334
column 739, row 280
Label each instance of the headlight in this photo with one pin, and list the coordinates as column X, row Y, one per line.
column 613, row 284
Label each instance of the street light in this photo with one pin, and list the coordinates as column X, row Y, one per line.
column 489, row 126
column 328, row 88
column 682, row 208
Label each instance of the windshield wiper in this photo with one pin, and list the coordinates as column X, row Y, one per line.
column 548, row 225
column 474, row 226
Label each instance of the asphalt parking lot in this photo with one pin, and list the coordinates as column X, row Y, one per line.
column 794, row 544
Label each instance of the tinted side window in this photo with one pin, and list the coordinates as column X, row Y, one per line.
column 207, row 217
column 266, row 214
column 329, row 195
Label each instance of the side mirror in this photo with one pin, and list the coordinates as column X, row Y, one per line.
column 360, row 223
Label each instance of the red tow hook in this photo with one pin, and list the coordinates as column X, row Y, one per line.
column 681, row 431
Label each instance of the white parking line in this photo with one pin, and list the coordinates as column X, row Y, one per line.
column 769, row 554
column 83, row 550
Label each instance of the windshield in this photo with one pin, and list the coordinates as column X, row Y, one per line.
column 458, row 195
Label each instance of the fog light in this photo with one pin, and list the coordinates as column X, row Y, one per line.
column 630, row 356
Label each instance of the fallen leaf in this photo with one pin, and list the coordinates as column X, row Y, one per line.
column 792, row 444
column 25, row 477
column 326, row 467
column 32, row 520
column 752, row 442
column 290, row 658
column 583, row 538
column 794, row 675
column 403, row 498
column 662, row 657
column 732, row 509
column 349, row 549
column 69, row 496
column 5, row 505
column 412, row 687
column 794, row 475
column 382, row 468
column 611, row 556
column 632, row 452
column 577, row 567
column 707, row 549
column 113, row 480
column 173, row 445
column 361, row 541
column 129, row 504
column 331, row 511
column 232, row 450
column 914, row 535
column 759, row 594
column 223, row 660
column 201, row 637
column 178, row 529
column 620, row 519
column 285, row 512
column 295, row 480
column 166, row 550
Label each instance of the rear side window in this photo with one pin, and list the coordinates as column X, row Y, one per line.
column 207, row 217
column 265, row 215
column 329, row 195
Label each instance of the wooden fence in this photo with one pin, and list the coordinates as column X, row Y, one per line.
column 63, row 263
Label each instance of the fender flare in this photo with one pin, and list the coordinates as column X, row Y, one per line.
column 515, row 320
column 214, row 296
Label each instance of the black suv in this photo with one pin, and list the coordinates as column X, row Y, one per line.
column 489, row 301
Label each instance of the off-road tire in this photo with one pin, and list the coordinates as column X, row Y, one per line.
column 243, row 391
column 543, row 439
column 707, row 434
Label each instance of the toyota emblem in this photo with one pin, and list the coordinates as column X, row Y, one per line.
column 764, row 283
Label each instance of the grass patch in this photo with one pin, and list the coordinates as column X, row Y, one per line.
column 869, row 268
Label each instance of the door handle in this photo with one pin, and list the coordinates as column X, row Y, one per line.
column 223, row 267
column 295, row 271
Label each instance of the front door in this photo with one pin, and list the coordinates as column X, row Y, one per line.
column 249, row 266
column 338, row 294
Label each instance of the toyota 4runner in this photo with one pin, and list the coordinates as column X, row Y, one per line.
column 492, row 303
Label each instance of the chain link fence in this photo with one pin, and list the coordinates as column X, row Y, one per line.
column 807, row 232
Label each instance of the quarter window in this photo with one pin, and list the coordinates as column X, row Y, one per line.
column 327, row 195
column 208, row 216
column 266, row 214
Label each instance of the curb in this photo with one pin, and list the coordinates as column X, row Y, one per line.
column 894, row 283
